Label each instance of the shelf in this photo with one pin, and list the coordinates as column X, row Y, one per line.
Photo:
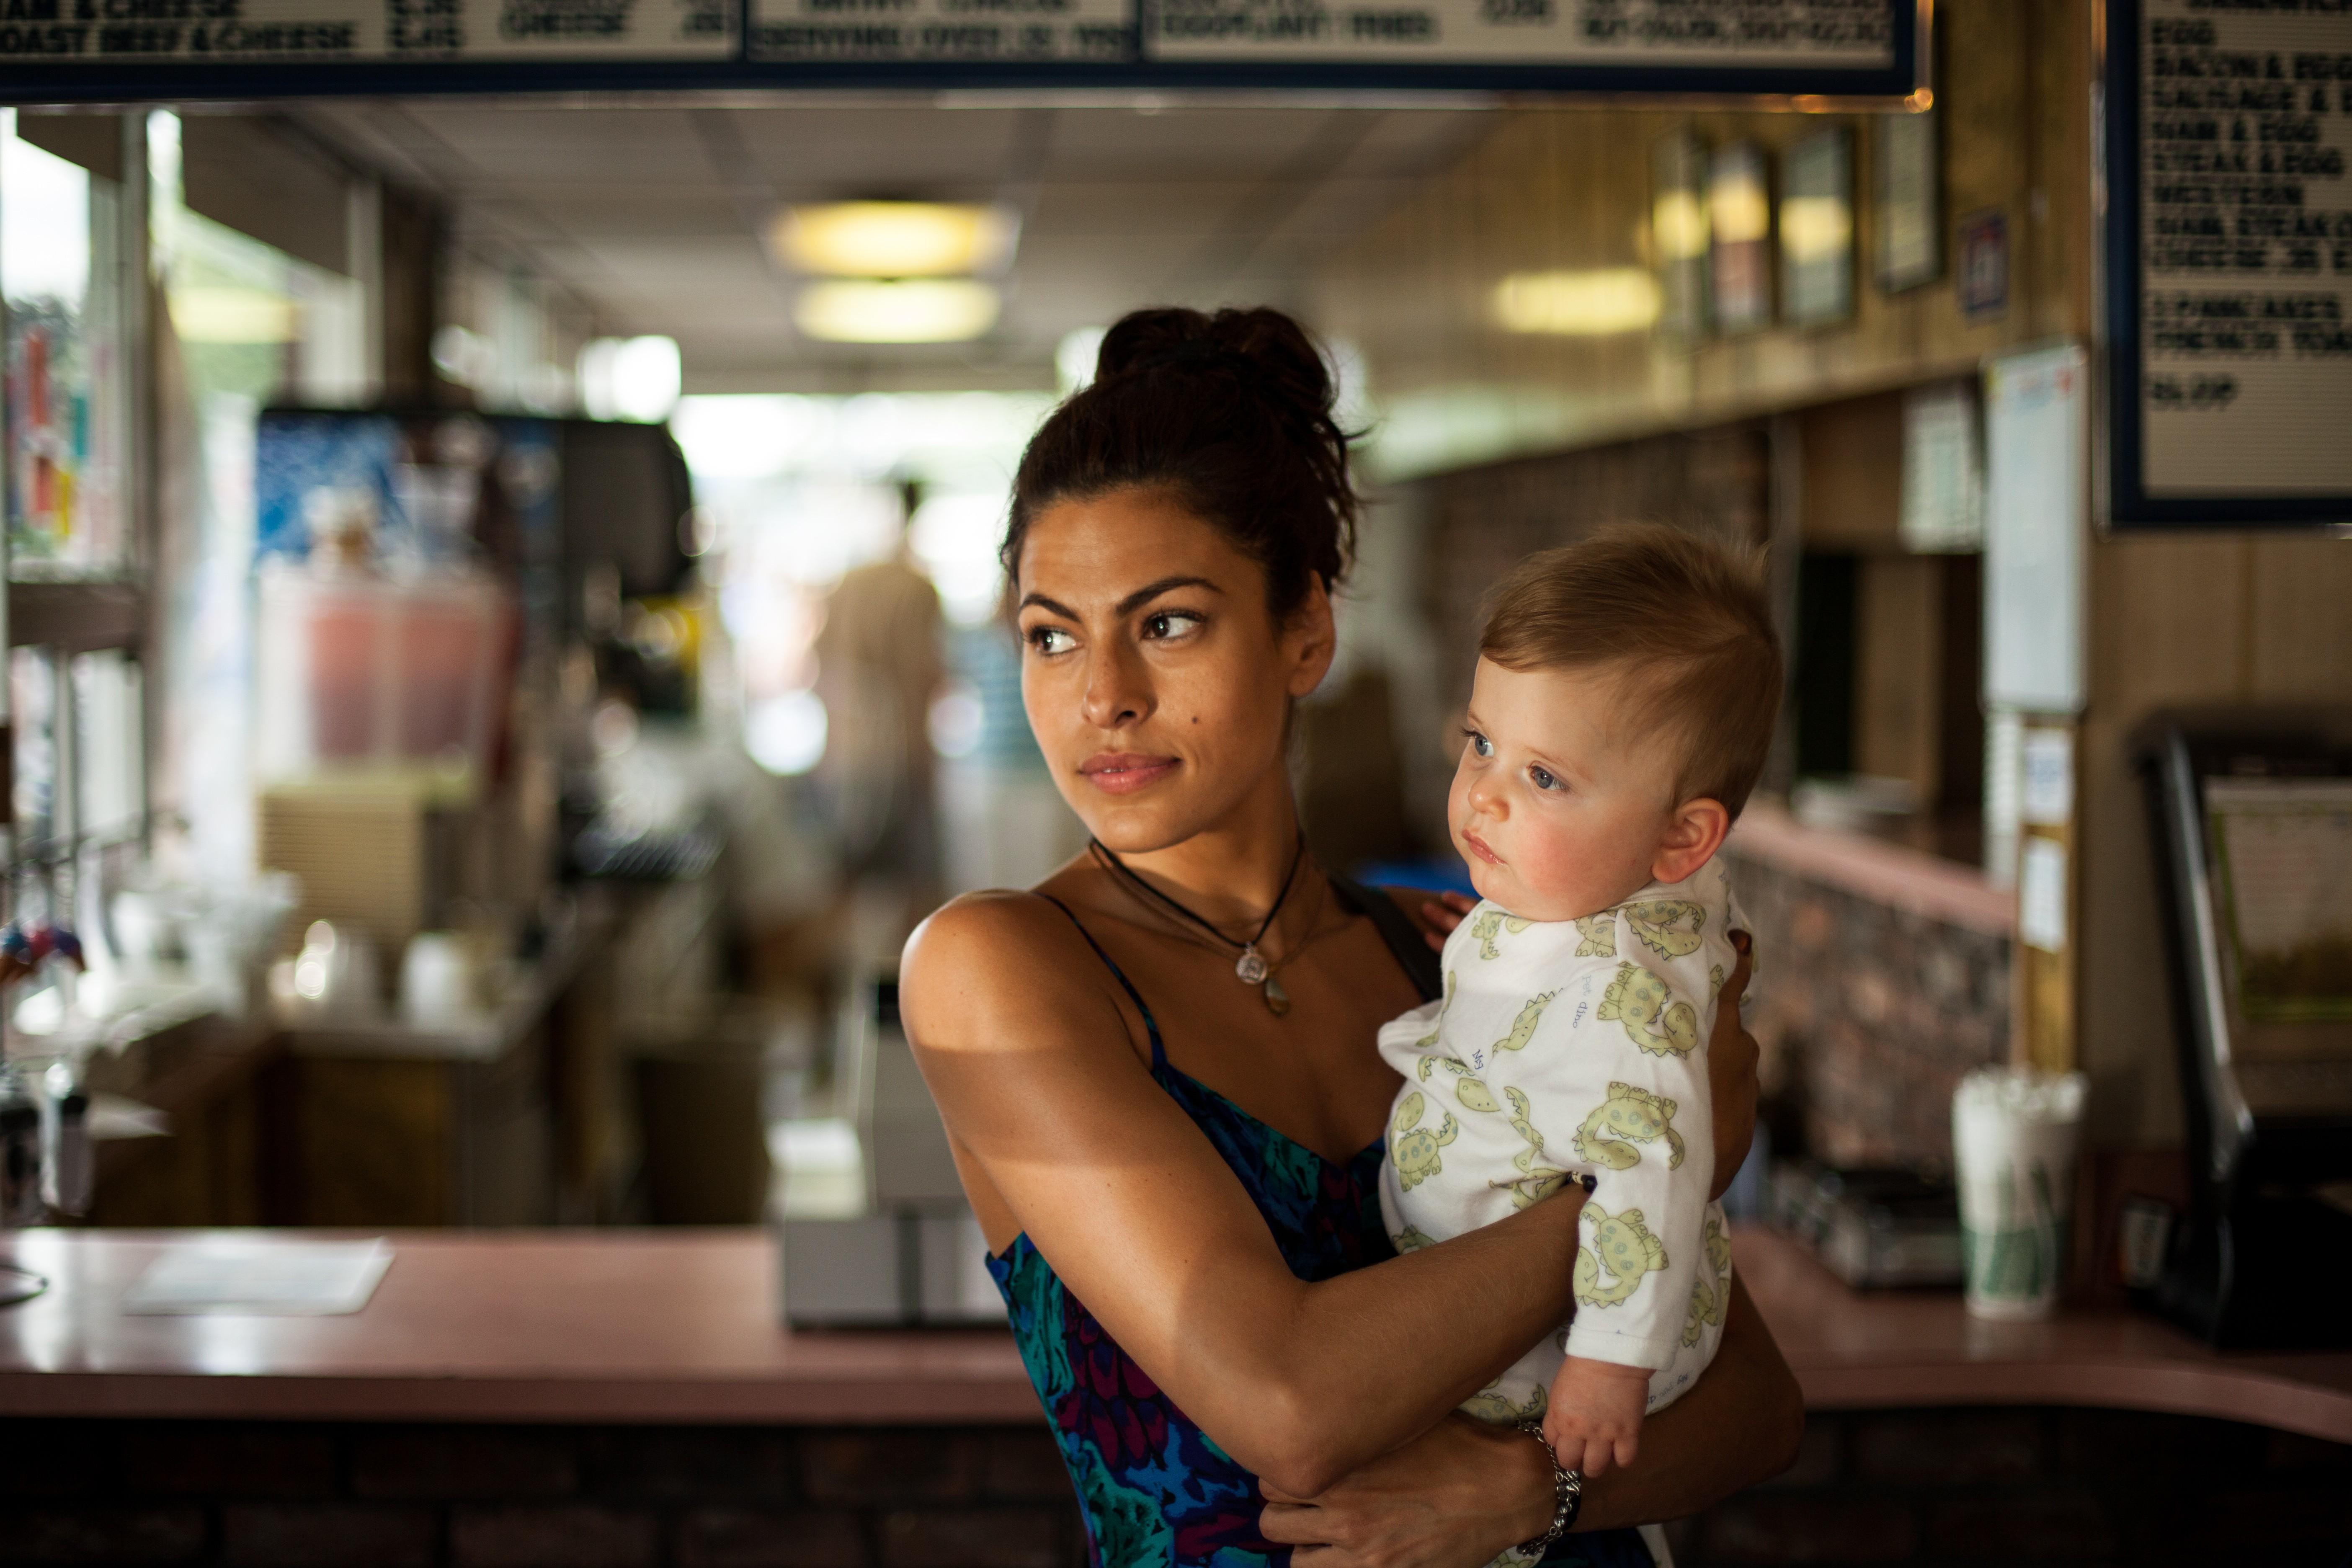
column 78, row 617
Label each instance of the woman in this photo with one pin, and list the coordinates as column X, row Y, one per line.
column 1158, row 1069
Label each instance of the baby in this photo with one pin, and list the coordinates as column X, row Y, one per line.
column 1624, row 699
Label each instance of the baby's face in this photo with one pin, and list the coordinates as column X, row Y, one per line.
column 1562, row 807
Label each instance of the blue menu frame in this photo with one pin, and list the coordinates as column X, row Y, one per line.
column 2122, row 502
column 44, row 80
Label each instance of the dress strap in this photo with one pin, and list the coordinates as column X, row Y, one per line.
column 1396, row 928
column 1151, row 1024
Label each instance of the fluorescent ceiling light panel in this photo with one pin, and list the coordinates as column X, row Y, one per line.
column 895, row 239
column 1592, row 304
column 915, row 311
column 230, row 315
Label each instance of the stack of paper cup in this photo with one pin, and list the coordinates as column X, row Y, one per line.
column 2013, row 1139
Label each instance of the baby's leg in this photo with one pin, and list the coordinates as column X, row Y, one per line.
column 1595, row 1418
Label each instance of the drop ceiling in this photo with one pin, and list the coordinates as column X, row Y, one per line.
column 650, row 213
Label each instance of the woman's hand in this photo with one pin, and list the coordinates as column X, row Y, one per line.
column 1455, row 1496
column 1441, row 914
column 1460, row 1493
column 1731, row 1056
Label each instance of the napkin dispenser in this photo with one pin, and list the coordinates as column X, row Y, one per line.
column 905, row 1249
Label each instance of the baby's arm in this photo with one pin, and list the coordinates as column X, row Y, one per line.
column 1594, row 1418
column 1647, row 1136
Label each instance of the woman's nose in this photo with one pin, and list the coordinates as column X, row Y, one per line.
column 1117, row 692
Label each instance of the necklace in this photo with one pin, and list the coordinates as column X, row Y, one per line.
column 1250, row 965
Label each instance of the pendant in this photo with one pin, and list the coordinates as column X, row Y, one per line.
column 1251, row 966
column 1277, row 1000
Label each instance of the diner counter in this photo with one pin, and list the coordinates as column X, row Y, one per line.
column 630, row 1327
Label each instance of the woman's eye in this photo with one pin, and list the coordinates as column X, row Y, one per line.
column 1543, row 778
column 1052, row 640
column 1168, row 623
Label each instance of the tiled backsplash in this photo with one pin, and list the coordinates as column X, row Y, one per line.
column 1869, row 1014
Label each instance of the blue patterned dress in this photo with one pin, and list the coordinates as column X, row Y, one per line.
column 1155, row 1489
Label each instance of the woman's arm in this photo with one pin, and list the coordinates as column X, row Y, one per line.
column 1027, row 1052
column 1459, row 1494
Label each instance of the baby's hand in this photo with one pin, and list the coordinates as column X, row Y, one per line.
column 1595, row 1417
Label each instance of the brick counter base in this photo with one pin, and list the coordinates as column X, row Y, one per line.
column 1942, row 1487
column 297, row 1495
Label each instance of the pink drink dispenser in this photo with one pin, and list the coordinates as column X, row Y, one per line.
column 361, row 674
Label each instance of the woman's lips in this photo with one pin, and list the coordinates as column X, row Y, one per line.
column 1478, row 845
column 1123, row 773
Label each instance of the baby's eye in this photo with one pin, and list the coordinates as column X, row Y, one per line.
column 1479, row 743
column 1168, row 624
column 1544, row 778
column 1052, row 640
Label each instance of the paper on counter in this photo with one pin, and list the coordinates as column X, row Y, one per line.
column 268, row 1278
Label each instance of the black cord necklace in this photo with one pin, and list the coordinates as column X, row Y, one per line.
column 1250, row 966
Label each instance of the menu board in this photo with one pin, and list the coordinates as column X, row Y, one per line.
column 2231, row 264
column 1836, row 49
column 1583, row 32
column 886, row 30
column 46, row 34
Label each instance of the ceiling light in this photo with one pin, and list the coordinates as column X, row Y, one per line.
column 1578, row 304
column 233, row 316
column 919, row 310
column 895, row 239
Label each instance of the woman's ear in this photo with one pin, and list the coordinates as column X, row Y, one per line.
column 1694, row 832
column 1310, row 638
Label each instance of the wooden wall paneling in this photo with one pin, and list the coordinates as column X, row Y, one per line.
column 2299, row 620
column 1898, row 674
column 1853, row 474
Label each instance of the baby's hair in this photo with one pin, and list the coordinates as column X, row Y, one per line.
column 1685, row 618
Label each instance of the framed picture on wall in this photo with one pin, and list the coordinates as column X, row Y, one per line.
column 1907, row 223
column 1817, row 229
column 1678, row 233
column 1739, row 250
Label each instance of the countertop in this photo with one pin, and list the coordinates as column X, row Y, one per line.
column 655, row 1327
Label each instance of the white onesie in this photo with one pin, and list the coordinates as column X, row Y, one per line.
column 1567, row 1047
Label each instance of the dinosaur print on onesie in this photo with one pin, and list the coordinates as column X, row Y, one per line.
column 1566, row 1054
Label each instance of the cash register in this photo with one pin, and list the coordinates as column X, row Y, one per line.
column 2251, row 810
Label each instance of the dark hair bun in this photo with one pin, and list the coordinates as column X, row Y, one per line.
column 1232, row 413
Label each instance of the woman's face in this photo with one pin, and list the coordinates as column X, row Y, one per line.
column 1158, row 687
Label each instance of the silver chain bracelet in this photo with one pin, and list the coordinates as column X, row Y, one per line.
column 1566, row 1496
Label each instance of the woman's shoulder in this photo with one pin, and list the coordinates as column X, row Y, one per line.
column 997, row 923
column 982, row 949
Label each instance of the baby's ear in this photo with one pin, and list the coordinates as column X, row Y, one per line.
column 1693, row 833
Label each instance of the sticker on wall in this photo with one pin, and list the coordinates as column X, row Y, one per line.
column 1984, row 265
column 2041, row 895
